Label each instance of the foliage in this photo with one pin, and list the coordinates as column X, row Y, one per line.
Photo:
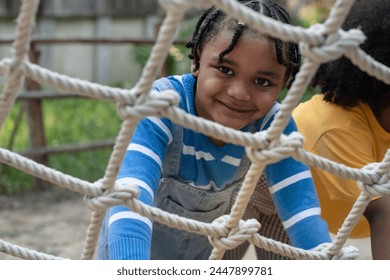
column 66, row 121
column 306, row 96
column 177, row 61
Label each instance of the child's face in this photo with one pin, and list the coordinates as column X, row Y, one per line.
column 241, row 89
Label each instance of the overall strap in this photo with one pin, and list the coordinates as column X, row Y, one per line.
column 245, row 162
column 171, row 164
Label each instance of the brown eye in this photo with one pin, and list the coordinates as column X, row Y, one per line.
column 262, row 82
column 225, row 70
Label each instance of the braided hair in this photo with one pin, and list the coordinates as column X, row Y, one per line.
column 214, row 21
column 342, row 82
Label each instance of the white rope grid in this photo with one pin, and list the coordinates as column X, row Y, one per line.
column 319, row 43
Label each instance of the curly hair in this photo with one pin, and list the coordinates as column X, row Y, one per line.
column 342, row 82
column 214, row 21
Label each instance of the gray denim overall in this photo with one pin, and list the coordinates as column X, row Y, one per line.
column 175, row 196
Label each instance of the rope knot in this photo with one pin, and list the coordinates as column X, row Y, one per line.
column 244, row 231
column 112, row 196
column 334, row 46
column 379, row 187
column 277, row 150
column 155, row 104
column 346, row 253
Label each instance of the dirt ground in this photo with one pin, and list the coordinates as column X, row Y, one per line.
column 56, row 222
column 53, row 222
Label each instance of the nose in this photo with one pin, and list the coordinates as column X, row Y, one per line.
column 238, row 91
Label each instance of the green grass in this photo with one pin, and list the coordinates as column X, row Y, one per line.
column 81, row 121
column 66, row 121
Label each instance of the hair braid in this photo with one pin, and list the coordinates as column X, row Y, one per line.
column 213, row 21
column 238, row 30
column 237, row 34
column 202, row 30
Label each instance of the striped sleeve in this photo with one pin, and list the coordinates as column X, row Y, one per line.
column 129, row 235
column 296, row 201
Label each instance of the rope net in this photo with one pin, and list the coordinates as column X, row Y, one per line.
column 319, row 43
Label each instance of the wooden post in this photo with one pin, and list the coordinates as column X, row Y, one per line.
column 34, row 116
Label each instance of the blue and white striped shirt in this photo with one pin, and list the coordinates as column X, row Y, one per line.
column 207, row 166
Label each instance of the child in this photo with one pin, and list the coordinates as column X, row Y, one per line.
column 350, row 123
column 236, row 76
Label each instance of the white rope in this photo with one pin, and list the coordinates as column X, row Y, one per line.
column 319, row 43
column 25, row 24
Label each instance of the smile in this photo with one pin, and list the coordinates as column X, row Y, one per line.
column 235, row 108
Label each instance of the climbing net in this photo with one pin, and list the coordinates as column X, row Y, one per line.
column 319, row 43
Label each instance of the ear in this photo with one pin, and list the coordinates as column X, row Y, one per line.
column 193, row 71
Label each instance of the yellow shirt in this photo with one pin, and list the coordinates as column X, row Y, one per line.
column 351, row 137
